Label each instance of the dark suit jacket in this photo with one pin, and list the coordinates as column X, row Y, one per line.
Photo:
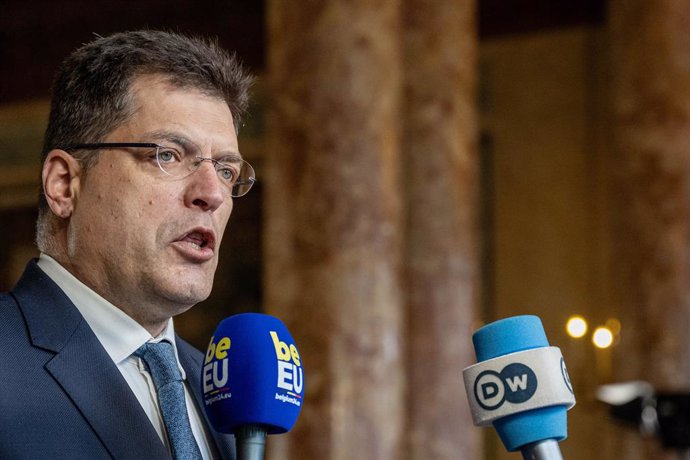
column 61, row 396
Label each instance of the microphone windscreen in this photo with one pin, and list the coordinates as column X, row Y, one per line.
column 509, row 335
column 514, row 335
column 252, row 375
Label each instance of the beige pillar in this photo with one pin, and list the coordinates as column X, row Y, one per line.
column 333, row 228
column 440, row 157
column 651, row 116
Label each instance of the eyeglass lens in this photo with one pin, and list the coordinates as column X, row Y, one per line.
column 235, row 174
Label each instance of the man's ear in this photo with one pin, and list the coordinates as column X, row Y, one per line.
column 60, row 177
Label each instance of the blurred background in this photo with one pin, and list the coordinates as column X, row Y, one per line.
column 426, row 167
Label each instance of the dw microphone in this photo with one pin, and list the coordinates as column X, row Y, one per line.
column 520, row 385
column 252, row 381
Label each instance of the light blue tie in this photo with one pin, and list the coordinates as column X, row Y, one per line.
column 160, row 360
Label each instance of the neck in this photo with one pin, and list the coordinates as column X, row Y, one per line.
column 138, row 310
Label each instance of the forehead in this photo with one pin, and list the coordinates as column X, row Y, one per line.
column 158, row 105
column 148, row 88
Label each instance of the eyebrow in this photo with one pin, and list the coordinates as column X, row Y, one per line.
column 188, row 145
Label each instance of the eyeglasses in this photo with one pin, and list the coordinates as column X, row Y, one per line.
column 177, row 163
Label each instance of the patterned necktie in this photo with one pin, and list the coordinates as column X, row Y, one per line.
column 160, row 360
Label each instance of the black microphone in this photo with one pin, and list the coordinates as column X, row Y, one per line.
column 252, row 381
column 661, row 414
column 520, row 386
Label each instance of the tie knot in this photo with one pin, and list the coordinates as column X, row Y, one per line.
column 160, row 360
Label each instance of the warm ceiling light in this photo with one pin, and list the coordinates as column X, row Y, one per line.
column 602, row 337
column 576, row 326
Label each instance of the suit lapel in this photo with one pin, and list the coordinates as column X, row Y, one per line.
column 190, row 358
column 84, row 370
column 95, row 385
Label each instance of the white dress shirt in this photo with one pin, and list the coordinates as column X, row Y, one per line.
column 121, row 336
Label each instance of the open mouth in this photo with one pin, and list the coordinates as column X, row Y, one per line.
column 200, row 239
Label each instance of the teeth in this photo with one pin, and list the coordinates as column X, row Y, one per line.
column 198, row 240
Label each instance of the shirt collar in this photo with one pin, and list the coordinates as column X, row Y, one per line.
column 119, row 334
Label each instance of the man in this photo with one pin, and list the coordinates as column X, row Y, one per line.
column 140, row 167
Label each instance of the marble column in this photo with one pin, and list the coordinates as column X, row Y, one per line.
column 650, row 90
column 333, row 221
column 440, row 183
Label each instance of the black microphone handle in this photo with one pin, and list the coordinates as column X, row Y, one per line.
column 542, row 450
column 250, row 442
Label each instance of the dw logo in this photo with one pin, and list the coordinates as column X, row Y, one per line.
column 516, row 383
column 566, row 377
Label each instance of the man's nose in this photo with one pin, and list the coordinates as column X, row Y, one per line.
column 205, row 189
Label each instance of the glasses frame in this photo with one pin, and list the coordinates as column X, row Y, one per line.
column 123, row 145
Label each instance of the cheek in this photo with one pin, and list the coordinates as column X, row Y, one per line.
column 122, row 215
column 111, row 206
column 122, row 208
column 150, row 203
column 223, row 219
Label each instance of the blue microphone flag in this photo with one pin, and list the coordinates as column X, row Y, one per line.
column 520, row 383
column 252, row 375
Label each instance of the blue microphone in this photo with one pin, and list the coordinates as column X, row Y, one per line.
column 252, row 381
column 521, row 386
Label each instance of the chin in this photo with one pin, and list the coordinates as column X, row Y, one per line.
column 193, row 295
column 182, row 287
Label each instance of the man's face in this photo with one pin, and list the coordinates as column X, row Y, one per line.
column 148, row 243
